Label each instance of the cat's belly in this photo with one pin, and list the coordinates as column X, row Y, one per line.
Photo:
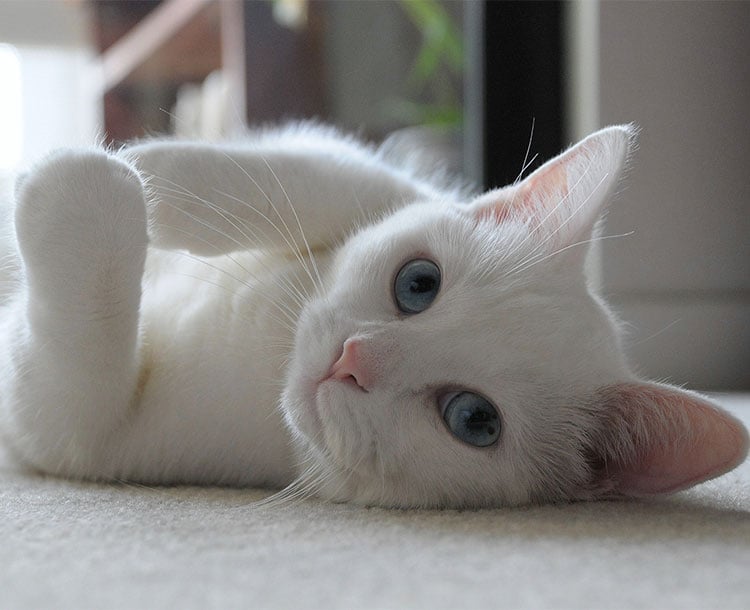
column 216, row 336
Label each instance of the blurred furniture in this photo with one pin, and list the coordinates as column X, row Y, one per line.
column 150, row 48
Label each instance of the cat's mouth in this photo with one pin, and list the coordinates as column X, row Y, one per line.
column 318, row 395
column 327, row 394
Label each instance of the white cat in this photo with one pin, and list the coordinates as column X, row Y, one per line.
column 313, row 316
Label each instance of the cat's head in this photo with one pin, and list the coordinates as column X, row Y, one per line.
column 460, row 358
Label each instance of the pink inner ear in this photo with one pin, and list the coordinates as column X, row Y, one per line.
column 531, row 199
column 498, row 213
column 677, row 440
column 543, row 188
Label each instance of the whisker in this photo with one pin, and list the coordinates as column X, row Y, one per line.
column 295, row 248
column 568, row 247
column 538, row 248
column 578, row 208
column 283, row 308
column 300, row 490
column 299, row 226
column 240, row 225
column 291, row 491
column 381, row 463
column 562, row 201
column 297, row 296
column 292, row 247
column 657, row 333
column 349, row 473
column 525, row 165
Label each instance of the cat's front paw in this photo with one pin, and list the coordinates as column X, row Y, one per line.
column 81, row 224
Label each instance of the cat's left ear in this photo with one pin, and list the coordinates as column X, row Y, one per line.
column 563, row 199
column 655, row 439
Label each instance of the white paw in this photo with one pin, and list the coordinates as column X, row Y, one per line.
column 81, row 225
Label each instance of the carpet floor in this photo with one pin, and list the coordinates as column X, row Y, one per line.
column 77, row 545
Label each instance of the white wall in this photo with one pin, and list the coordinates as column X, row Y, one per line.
column 681, row 70
column 43, row 22
column 58, row 78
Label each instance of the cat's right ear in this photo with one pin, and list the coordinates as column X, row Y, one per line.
column 562, row 200
column 656, row 439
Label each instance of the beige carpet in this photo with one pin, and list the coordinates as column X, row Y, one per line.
column 73, row 545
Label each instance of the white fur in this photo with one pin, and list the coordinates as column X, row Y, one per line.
column 265, row 257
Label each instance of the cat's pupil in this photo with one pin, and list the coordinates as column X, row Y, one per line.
column 480, row 421
column 422, row 284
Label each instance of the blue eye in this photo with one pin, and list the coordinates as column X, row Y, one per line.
column 472, row 419
column 416, row 285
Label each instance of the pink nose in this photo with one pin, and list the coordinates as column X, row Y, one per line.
column 350, row 366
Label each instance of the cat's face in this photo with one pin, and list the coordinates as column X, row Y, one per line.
column 459, row 390
column 457, row 357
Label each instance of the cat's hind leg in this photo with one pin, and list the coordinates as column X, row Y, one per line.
column 68, row 349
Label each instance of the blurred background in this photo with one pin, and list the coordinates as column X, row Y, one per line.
column 474, row 81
